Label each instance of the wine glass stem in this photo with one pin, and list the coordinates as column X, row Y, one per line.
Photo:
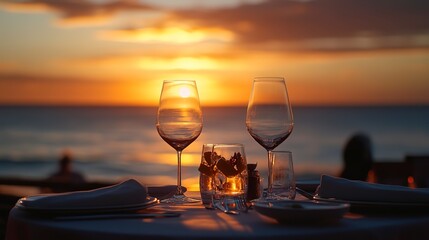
column 179, row 173
column 270, row 172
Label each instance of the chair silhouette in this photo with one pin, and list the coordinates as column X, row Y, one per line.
column 419, row 169
column 393, row 173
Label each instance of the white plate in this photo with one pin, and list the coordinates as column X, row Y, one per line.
column 298, row 212
column 26, row 204
column 379, row 207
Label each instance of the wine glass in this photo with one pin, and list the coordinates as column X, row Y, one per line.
column 179, row 123
column 269, row 118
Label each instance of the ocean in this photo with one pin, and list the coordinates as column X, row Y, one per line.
column 114, row 143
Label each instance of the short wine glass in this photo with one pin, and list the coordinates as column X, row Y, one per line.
column 179, row 123
column 269, row 118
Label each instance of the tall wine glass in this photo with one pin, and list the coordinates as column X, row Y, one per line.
column 179, row 123
column 269, row 118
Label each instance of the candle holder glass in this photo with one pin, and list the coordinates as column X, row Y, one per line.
column 230, row 177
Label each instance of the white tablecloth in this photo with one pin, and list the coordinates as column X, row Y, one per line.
column 196, row 222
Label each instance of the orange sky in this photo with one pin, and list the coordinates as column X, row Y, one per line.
column 104, row 52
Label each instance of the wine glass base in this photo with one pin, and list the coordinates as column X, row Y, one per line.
column 180, row 199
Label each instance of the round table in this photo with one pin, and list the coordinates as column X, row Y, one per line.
column 196, row 222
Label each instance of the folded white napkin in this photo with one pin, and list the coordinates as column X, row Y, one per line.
column 353, row 190
column 129, row 192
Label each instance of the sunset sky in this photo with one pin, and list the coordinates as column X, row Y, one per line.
column 104, row 52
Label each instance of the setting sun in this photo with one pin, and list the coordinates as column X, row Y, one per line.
column 184, row 92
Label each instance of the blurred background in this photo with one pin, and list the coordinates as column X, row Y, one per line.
column 85, row 77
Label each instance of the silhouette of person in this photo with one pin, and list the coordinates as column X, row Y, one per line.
column 65, row 173
column 357, row 157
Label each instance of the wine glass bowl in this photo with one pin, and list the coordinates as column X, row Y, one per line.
column 178, row 127
column 179, row 123
column 269, row 124
column 269, row 118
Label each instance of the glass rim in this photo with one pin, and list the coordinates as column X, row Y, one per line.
column 269, row 79
column 179, row 80
column 228, row 144
column 208, row 144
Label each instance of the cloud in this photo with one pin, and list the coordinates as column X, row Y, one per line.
column 364, row 24
column 17, row 88
column 168, row 34
column 79, row 10
column 272, row 25
column 207, row 4
column 6, row 65
column 152, row 63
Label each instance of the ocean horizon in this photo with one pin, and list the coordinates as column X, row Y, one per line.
column 117, row 142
